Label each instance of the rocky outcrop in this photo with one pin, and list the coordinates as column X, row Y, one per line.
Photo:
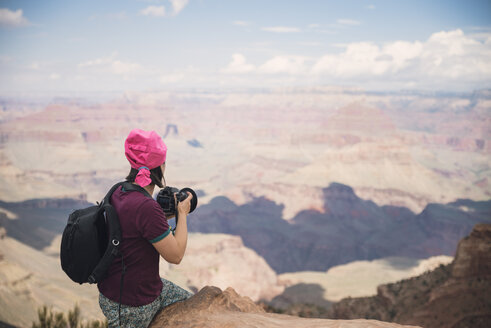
column 452, row 296
column 212, row 308
column 473, row 258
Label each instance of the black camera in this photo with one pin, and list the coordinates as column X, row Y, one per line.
column 168, row 202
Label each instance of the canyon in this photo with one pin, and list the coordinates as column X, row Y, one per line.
column 400, row 149
column 347, row 229
column 294, row 185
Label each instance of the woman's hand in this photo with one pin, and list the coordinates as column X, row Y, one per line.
column 185, row 206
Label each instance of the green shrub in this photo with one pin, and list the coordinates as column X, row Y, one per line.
column 47, row 318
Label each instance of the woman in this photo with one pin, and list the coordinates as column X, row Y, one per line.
column 146, row 236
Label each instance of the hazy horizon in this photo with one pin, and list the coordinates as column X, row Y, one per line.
column 54, row 48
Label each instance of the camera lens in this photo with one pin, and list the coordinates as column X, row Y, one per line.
column 194, row 200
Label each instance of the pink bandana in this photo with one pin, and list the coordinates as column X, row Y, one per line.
column 145, row 150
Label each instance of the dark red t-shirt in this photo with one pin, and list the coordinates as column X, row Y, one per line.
column 142, row 223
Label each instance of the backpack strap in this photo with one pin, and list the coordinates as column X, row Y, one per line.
column 133, row 187
column 107, row 198
column 112, row 249
column 115, row 238
column 107, row 212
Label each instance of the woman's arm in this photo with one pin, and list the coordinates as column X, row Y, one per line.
column 172, row 247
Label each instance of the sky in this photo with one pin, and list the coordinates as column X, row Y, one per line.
column 85, row 47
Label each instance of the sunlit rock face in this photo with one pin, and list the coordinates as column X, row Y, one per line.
column 473, row 258
column 454, row 295
column 223, row 261
column 213, row 308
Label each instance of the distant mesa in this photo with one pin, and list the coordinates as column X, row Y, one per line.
column 195, row 143
column 349, row 229
column 358, row 119
column 302, row 293
column 171, row 129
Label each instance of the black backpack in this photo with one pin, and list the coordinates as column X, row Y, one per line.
column 91, row 239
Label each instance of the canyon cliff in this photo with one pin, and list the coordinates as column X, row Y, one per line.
column 452, row 296
column 347, row 228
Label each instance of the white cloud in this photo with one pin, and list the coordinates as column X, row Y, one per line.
column 318, row 28
column 99, row 61
column 122, row 68
column 371, row 7
column 445, row 58
column 281, row 29
column 160, row 11
column 156, row 11
column 454, row 55
column 118, row 16
column 311, row 43
column 54, row 76
column 241, row 23
column 172, row 78
column 293, row 65
column 349, row 22
column 12, row 18
column 112, row 65
column 238, row 65
column 284, row 64
column 178, row 5
column 358, row 58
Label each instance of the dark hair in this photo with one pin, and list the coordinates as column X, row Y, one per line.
column 155, row 174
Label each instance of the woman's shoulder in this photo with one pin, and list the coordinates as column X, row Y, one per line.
column 149, row 205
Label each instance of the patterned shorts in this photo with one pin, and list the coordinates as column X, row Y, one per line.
column 141, row 316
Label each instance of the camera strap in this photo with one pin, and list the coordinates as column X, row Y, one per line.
column 127, row 186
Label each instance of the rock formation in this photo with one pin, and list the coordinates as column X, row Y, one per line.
column 212, row 308
column 286, row 145
column 355, row 279
column 346, row 228
column 223, row 261
column 473, row 258
column 452, row 296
